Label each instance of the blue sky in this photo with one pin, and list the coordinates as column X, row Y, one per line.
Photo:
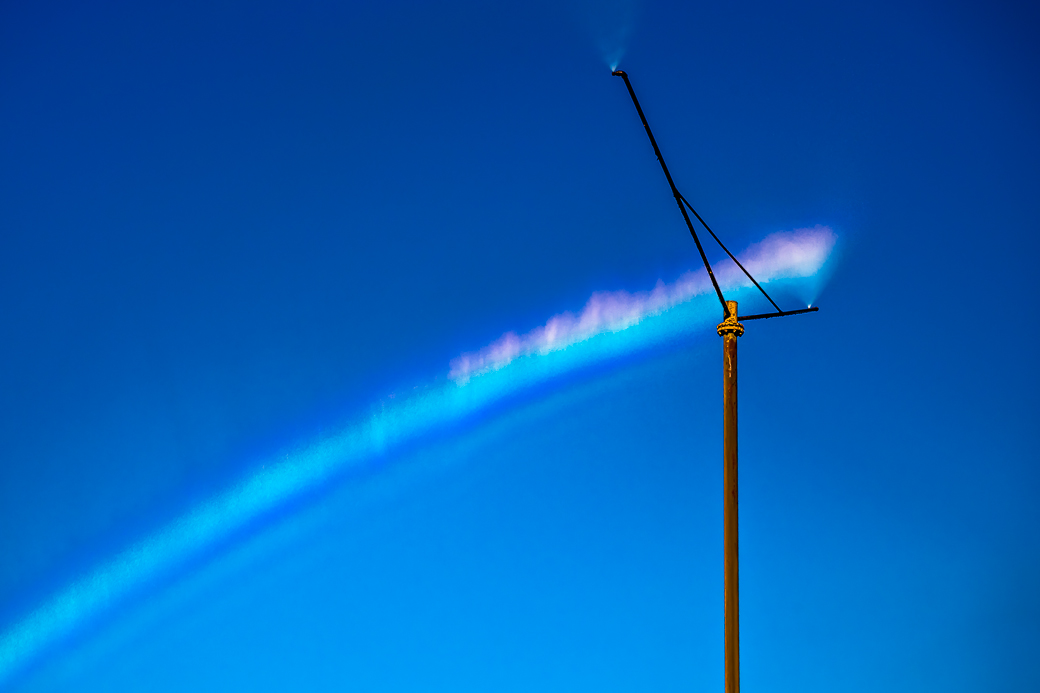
column 231, row 232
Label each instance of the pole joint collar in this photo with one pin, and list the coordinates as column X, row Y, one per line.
column 730, row 324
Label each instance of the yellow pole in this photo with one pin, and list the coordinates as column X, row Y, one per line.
column 729, row 330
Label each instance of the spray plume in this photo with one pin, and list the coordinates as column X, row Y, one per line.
column 800, row 254
column 611, row 324
column 608, row 22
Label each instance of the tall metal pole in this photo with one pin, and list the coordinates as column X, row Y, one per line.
column 729, row 329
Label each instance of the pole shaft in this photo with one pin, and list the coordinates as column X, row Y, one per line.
column 730, row 331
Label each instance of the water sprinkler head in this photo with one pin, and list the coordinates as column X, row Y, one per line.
column 618, row 73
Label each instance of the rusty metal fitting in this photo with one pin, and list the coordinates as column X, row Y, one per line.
column 730, row 324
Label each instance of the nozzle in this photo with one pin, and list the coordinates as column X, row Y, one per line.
column 618, row 73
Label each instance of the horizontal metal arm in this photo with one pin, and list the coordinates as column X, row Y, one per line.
column 763, row 316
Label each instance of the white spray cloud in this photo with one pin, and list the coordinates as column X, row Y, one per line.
column 565, row 342
column 784, row 255
column 608, row 22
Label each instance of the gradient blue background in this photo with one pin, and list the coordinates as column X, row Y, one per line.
column 226, row 226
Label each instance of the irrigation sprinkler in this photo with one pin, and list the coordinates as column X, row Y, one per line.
column 729, row 329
